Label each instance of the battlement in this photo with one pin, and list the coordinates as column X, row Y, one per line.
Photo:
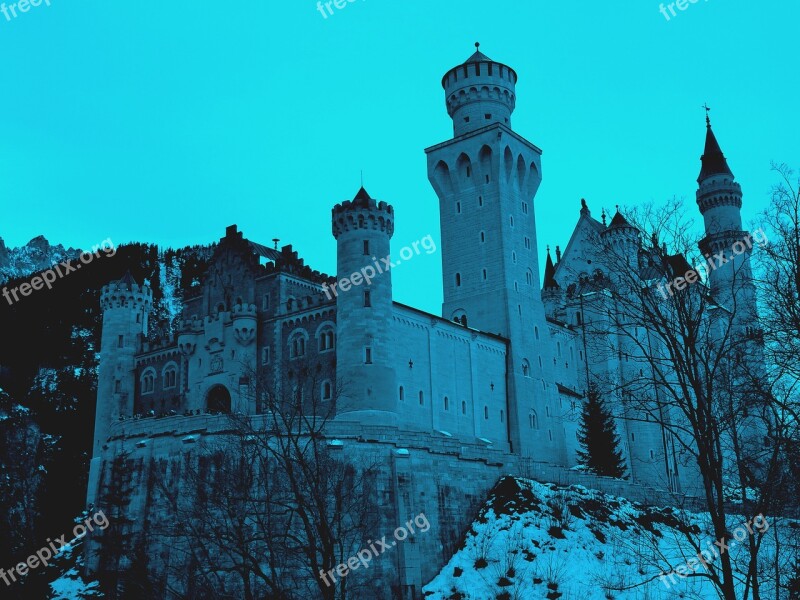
column 714, row 193
column 478, row 92
column 363, row 212
column 126, row 293
column 244, row 310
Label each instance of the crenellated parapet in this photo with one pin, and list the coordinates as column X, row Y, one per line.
column 362, row 213
column 123, row 294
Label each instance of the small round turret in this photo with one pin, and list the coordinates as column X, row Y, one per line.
column 363, row 228
column 479, row 92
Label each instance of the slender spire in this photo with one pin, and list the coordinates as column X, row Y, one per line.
column 713, row 161
column 549, row 273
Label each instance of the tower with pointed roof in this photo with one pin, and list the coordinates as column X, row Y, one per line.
column 486, row 178
column 726, row 245
column 363, row 229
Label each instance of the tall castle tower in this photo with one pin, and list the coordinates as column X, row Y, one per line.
column 719, row 198
column 486, row 177
column 126, row 308
column 363, row 228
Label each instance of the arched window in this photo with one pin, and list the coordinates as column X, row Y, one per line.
column 148, row 380
column 458, row 279
column 529, row 277
column 526, row 368
column 297, row 344
column 536, row 333
column 533, row 420
column 421, row 398
column 170, row 375
column 326, row 338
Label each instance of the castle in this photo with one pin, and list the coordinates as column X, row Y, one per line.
column 498, row 377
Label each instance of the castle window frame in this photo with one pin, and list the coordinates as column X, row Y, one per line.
column 117, row 386
column 367, row 299
column 265, row 302
column 169, row 375
column 480, row 200
column 483, row 237
column 526, row 368
column 367, row 355
column 458, row 208
column 402, row 394
column 421, row 398
column 533, row 420
column 297, row 344
column 463, row 407
column 446, row 403
column 120, row 341
column 485, row 413
column 458, row 279
column 502, row 416
column 326, row 391
column 265, row 355
column 147, row 380
column 326, row 337
column 366, row 248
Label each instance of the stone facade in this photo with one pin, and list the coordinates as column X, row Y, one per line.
column 493, row 386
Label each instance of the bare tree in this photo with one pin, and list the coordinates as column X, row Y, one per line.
column 273, row 507
column 691, row 369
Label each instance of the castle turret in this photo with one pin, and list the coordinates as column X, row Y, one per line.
column 486, row 178
column 719, row 198
column 552, row 294
column 479, row 92
column 363, row 228
column 623, row 243
column 126, row 307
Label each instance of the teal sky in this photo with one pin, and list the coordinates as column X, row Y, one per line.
column 164, row 122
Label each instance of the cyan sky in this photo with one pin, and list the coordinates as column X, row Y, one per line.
column 166, row 121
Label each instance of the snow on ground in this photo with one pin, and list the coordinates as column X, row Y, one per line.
column 533, row 540
column 71, row 586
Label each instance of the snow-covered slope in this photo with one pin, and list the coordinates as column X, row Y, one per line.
column 534, row 540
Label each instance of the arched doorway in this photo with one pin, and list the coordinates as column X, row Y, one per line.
column 218, row 399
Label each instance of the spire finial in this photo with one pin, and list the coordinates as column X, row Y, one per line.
column 477, row 45
column 707, row 109
column 548, row 249
column 362, row 178
column 603, row 216
column 617, row 207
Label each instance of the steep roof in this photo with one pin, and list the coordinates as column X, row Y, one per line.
column 713, row 161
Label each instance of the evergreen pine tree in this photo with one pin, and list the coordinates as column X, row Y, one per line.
column 598, row 438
